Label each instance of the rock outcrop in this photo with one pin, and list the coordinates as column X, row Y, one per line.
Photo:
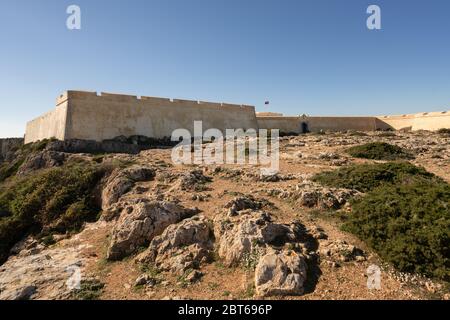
column 312, row 195
column 121, row 181
column 338, row 251
column 244, row 238
column 42, row 160
column 193, row 180
column 280, row 273
column 182, row 246
column 8, row 147
column 139, row 224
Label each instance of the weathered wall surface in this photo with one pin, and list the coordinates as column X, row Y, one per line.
column 341, row 123
column 284, row 124
column 419, row 121
column 107, row 116
column 91, row 116
column 422, row 121
column 9, row 145
column 313, row 124
column 50, row 125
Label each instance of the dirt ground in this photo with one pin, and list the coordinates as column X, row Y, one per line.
column 300, row 157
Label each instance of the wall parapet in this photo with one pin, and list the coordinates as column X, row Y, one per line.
column 115, row 97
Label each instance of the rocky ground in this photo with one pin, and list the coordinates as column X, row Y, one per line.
column 224, row 232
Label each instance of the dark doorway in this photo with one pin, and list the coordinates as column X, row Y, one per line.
column 304, row 127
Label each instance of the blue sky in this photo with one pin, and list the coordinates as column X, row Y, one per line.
column 313, row 56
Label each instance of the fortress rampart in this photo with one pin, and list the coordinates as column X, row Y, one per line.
column 101, row 116
column 92, row 116
column 421, row 121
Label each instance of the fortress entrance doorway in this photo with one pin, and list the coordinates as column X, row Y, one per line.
column 304, row 127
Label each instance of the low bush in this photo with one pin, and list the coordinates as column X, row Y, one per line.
column 408, row 225
column 90, row 289
column 49, row 201
column 379, row 151
column 404, row 215
column 366, row 177
column 9, row 169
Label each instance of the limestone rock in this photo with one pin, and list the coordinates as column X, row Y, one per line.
column 194, row 276
column 41, row 160
column 121, row 181
column 340, row 251
column 312, row 195
column 139, row 224
column 193, row 180
column 181, row 246
column 244, row 239
column 23, row 293
column 145, row 279
column 280, row 273
column 243, row 203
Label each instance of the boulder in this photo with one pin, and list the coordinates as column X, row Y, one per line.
column 280, row 273
column 244, row 238
column 122, row 181
column 181, row 246
column 193, row 180
column 313, row 195
column 23, row 293
column 244, row 203
column 340, row 251
column 139, row 224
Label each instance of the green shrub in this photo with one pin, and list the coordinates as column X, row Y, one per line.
column 366, row 177
column 407, row 224
column 90, row 289
column 54, row 200
column 9, row 169
column 378, row 151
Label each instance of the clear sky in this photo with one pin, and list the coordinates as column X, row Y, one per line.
column 305, row 56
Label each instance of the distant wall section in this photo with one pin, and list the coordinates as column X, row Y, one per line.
column 50, row 125
column 421, row 121
column 303, row 124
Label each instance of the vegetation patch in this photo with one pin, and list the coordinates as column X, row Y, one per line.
column 366, row 177
column 9, row 169
column 407, row 224
column 404, row 215
column 56, row 200
column 89, row 290
column 379, row 151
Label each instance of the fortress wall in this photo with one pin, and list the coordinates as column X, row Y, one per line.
column 105, row 116
column 341, row 123
column 49, row 125
column 314, row 124
column 92, row 116
column 420, row 121
column 284, row 124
